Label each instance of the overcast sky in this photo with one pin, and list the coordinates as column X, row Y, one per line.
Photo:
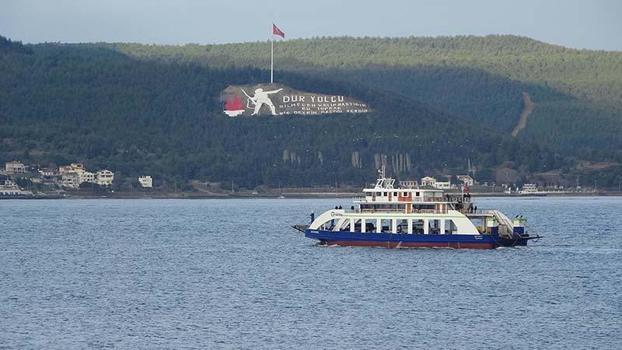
column 593, row 24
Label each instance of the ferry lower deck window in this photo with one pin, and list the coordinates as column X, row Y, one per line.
column 417, row 226
column 479, row 223
column 385, row 225
column 434, row 226
column 370, row 226
column 402, row 226
column 357, row 225
column 450, row 227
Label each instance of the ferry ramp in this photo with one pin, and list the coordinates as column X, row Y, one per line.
column 506, row 228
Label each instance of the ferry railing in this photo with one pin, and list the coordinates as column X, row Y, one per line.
column 402, row 211
column 370, row 199
column 429, row 211
column 478, row 211
column 381, row 210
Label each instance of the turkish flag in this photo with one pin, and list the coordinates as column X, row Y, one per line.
column 277, row 31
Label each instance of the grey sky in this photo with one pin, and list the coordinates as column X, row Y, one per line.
column 594, row 24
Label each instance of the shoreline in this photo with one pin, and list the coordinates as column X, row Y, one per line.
column 286, row 195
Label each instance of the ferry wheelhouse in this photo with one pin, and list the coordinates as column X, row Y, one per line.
column 415, row 217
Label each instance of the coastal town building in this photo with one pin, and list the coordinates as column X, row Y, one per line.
column 466, row 180
column 409, row 184
column 86, row 176
column 48, row 172
column 73, row 167
column 75, row 174
column 442, row 185
column 70, row 179
column 146, row 181
column 14, row 167
column 529, row 188
column 428, row 181
column 104, row 177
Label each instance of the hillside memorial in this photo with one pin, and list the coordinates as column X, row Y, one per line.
column 278, row 99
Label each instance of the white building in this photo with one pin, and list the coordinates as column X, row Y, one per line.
column 466, row 180
column 48, row 172
column 442, row 185
column 14, row 167
column 428, row 181
column 146, row 181
column 529, row 188
column 70, row 179
column 104, row 177
column 73, row 167
column 408, row 184
column 86, row 176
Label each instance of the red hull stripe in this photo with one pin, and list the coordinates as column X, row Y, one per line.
column 413, row 244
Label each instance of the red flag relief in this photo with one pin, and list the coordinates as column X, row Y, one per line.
column 277, row 31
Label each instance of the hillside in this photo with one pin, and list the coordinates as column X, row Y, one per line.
column 581, row 73
column 577, row 93
column 159, row 113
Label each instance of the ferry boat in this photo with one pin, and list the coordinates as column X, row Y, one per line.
column 10, row 190
column 415, row 217
column 531, row 190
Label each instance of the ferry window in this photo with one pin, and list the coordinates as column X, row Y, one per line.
column 378, row 193
column 395, row 194
column 402, row 226
column 384, row 194
column 434, row 227
column 345, row 226
column 479, row 224
column 369, row 226
column 418, row 226
column 328, row 226
column 357, row 225
column 416, row 194
column 423, row 208
column 450, row 227
column 385, row 225
column 405, row 194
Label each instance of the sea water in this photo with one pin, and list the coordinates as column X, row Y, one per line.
column 232, row 274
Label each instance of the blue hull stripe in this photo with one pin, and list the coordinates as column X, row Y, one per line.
column 409, row 240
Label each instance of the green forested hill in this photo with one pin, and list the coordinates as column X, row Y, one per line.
column 156, row 110
column 581, row 73
column 577, row 93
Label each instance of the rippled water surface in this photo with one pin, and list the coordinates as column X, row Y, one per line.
column 232, row 274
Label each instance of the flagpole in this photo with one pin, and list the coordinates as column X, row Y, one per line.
column 272, row 60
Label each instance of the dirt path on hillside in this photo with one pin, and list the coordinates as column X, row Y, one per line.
column 527, row 109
